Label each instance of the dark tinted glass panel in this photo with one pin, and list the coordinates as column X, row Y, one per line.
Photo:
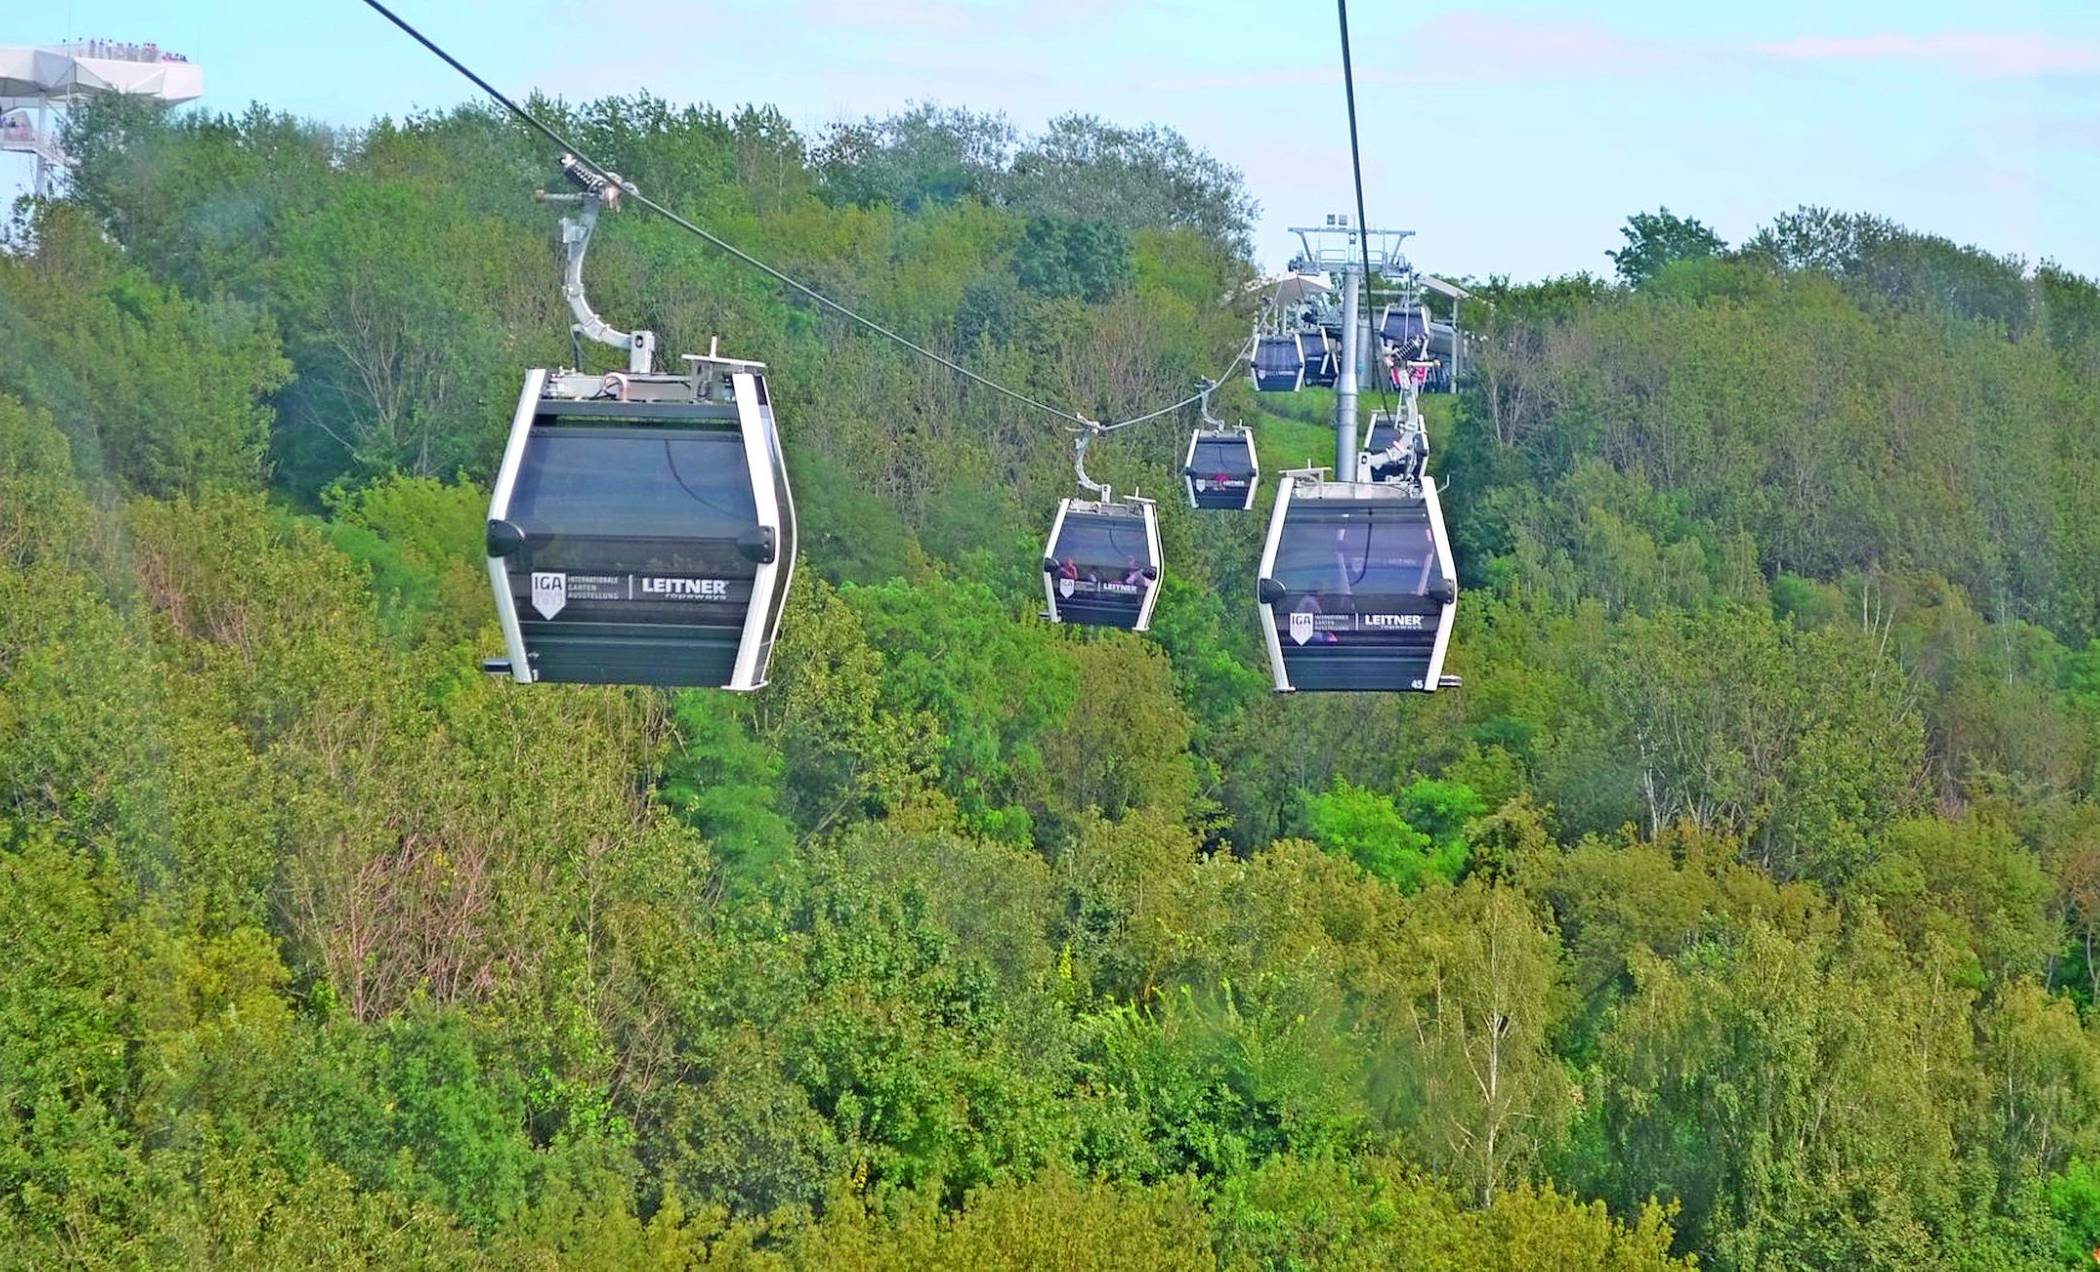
column 1113, row 543
column 620, row 485
column 1274, row 354
column 1220, row 457
column 1402, row 324
column 1383, row 553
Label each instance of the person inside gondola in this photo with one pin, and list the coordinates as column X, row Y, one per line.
column 1069, row 570
column 1133, row 573
column 1310, row 604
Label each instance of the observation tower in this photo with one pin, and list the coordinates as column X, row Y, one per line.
column 39, row 81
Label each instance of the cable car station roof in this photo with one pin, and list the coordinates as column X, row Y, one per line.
column 59, row 72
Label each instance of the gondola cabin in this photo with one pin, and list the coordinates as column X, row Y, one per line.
column 641, row 530
column 1278, row 366
column 1101, row 564
column 1220, row 469
column 1317, row 350
column 1356, row 589
column 1391, row 453
column 1402, row 324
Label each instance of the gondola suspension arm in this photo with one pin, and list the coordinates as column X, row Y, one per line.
column 1079, row 444
column 1203, row 405
column 597, row 190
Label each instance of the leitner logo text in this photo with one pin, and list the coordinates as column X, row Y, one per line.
column 706, row 589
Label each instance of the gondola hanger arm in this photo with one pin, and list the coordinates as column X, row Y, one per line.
column 596, row 190
column 1080, row 439
column 1203, row 405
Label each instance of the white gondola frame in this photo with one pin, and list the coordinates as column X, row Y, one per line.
column 1148, row 512
column 774, row 514
column 759, row 458
column 1188, row 462
column 499, row 510
column 1278, row 672
column 1432, row 678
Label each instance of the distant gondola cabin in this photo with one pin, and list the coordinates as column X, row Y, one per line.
column 1101, row 563
column 1220, row 469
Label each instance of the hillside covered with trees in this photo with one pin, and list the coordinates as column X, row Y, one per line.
column 1741, row 909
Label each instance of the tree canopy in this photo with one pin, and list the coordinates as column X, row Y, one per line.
column 1740, row 911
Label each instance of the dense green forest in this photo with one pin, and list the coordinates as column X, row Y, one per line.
column 1740, row 910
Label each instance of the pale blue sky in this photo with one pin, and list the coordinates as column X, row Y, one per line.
column 1513, row 137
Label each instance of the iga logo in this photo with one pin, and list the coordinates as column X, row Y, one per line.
column 549, row 593
column 1065, row 586
column 1301, row 626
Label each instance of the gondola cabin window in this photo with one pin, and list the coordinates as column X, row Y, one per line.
column 1103, row 554
column 635, row 500
column 1220, row 465
column 1354, row 554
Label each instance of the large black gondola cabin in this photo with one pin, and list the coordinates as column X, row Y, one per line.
column 1356, row 587
column 1220, row 469
column 1101, row 563
column 641, row 530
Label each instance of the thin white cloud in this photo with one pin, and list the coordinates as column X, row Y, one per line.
column 1495, row 46
column 2080, row 133
column 1986, row 54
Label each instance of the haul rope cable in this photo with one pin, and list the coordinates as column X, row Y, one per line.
column 530, row 120
column 1356, row 163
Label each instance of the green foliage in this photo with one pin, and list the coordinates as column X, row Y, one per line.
column 1372, row 1212
column 419, row 538
column 994, row 707
column 158, row 391
column 1086, row 260
column 1743, row 906
column 2074, row 1201
column 393, row 292
column 726, row 783
column 1887, row 262
column 1406, row 842
column 1658, row 239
